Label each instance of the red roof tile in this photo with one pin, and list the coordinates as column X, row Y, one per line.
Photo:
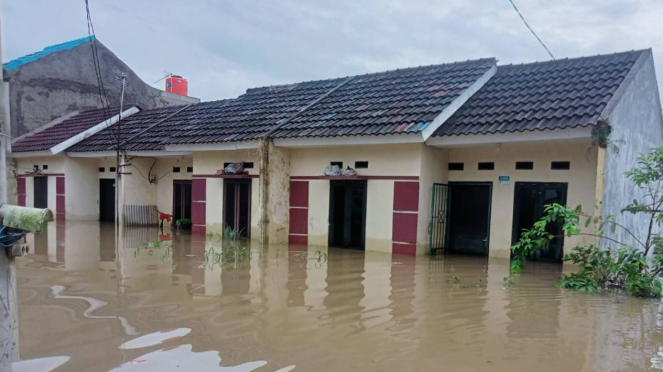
column 62, row 131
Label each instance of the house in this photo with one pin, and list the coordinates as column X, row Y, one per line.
column 455, row 156
column 61, row 79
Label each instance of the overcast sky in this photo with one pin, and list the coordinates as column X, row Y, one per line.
column 224, row 47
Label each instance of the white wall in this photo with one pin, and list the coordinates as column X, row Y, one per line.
column 81, row 189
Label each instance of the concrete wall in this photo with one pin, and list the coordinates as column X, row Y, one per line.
column 581, row 180
column 433, row 170
column 163, row 169
column 136, row 189
column 81, row 189
column 65, row 81
column 278, row 203
column 636, row 123
column 396, row 160
column 56, row 165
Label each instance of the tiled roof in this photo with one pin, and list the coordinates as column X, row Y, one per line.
column 18, row 62
column 62, row 131
column 549, row 95
column 400, row 101
column 247, row 117
column 106, row 140
column 392, row 102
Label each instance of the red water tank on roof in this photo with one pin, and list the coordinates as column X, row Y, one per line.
column 177, row 84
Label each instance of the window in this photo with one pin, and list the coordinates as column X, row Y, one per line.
column 176, row 169
column 524, row 165
column 456, row 166
column 111, row 169
column 560, row 165
column 102, row 169
column 486, row 166
column 361, row 164
column 189, row 169
column 44, row 167
column 339, row 163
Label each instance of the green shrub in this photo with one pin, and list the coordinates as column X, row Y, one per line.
column 618, row 265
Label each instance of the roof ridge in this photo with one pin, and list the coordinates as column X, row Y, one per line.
column 639, row 51
column 252, row 90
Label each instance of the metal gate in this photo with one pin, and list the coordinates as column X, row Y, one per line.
column 437, row 228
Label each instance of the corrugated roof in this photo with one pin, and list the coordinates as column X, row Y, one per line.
column 547, row 95
column 18, row 62
column 62, row 131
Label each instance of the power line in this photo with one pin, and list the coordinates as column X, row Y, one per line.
column 95, row 61
column 530, row 29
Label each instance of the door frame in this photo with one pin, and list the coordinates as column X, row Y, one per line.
column 363, row 220
column 237, row 181
column 34, row 190
column 490, row 208
column 183, row 182
column 516, row 211
column 101, row 181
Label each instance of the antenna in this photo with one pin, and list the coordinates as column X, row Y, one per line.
column 166, row 75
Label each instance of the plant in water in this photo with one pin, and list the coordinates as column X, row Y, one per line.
column 232, row 250
column 619, row 264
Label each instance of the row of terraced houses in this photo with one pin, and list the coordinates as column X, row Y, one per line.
column 459, row 156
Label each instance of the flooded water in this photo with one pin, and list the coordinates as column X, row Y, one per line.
column 86, row 306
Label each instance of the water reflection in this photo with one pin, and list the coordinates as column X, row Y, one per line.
column 118, row 305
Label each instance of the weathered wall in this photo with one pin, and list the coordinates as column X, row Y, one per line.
column 636, row 120
column 81, row 189
column 279, row 196
column 65, row 81
column 581, row 180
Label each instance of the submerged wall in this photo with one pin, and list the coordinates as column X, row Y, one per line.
column 636, row 128
column 391, row 169
column 25, row 183
column 209, row 189
column 81, row 186
column 581, row 180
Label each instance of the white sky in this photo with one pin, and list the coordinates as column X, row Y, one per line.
column 224, row 47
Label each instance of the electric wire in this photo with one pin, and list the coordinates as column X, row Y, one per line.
column 530, row 29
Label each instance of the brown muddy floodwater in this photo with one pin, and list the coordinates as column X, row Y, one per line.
column 86, row 307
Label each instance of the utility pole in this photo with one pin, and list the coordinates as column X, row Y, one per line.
column 8, row 309
column 118, row 167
